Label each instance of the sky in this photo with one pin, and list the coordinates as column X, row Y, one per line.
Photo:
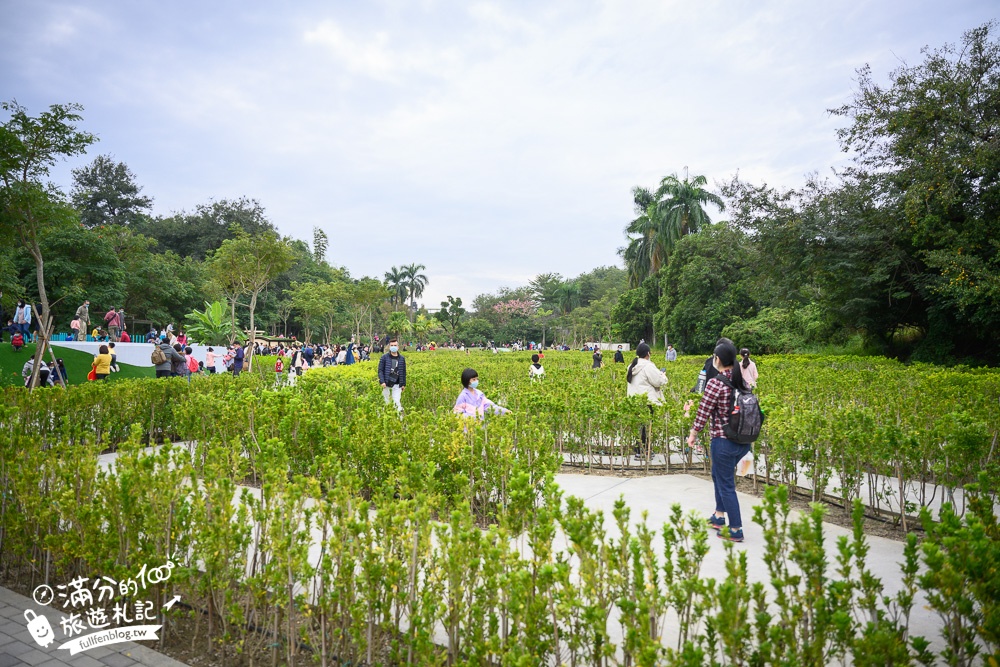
column 489, row 141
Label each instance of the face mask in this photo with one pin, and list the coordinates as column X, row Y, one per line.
column 474, row 384
column 393, row 348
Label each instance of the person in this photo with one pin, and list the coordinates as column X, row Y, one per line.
column 113, row 320
column 238, row 357
column 210, row 361
column 152, row 336
column 535, row 370
column 709, row 370
column 342, row 356
column 725, row 453
column 193, row 366
column 671, row 353
column 349, row 357
column 125, row 338
column 308, row 353
column 59, row 373
column 22, row 318
column 17, row 341
column 43, row 372
column 102, row 363
column 748, row 369
column 74, row 328
column 392, row 374
column 471, row 402
column 83, row 314
column 165, row 369
column 644, row 378
column 182, row 338
column 179, row 365
column 114, row 358
column 619, row 356
column 121, row 325
column 598, row 358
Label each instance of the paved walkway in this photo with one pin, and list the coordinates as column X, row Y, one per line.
column 18, row 647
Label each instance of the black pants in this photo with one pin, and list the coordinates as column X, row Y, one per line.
column 162, row 374
column 643, row 445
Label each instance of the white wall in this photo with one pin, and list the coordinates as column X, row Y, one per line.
column 137, row 354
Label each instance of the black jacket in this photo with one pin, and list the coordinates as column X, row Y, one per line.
column 385, row 370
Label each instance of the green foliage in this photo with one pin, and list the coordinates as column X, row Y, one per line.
column 450, row 315
column 105, row 193
column 369, row 536
column 210, row 326
column 781, row 330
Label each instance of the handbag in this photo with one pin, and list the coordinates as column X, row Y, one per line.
column 92, row 375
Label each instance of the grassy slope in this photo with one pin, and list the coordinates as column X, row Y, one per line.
column 77, row 365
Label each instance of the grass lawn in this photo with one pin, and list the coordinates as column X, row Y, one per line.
column 77, row 365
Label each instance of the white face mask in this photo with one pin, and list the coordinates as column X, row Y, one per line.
column 394, row 348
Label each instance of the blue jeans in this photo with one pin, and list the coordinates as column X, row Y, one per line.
column 725, row 455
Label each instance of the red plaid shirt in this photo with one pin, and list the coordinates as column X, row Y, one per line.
column 715, row 405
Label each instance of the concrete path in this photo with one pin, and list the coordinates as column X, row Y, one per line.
column 18, row 647
column 657, row 494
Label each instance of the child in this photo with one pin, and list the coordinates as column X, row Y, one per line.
column 74, row 326
column 535, row 371
column 114, row 358
column 17, row 341
column 192, row 363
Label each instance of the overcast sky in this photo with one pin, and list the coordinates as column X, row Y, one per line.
column 489, row 141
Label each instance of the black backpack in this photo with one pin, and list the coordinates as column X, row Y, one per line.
column 745, row 416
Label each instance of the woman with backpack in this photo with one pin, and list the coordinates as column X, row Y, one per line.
column 715, row 405
column 644, row 377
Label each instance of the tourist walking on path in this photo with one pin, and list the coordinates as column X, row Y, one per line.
column 714, row 407
column 644, row 377
column 83, row 314
column 392, row 374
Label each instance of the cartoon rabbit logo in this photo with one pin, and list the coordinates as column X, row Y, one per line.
column 39, row 628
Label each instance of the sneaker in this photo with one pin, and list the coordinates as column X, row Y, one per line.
column 717, row 522
column 732, row 535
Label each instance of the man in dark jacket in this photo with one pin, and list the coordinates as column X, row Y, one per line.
column 238, row 356
column 392, row 374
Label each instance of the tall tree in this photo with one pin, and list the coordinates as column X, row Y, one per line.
column 29, row 147
column 415, row 283
column 395, row 281
column 928, row 143
column 247, row 264
column 198, row 234
column 105, row 193
column 320, row 244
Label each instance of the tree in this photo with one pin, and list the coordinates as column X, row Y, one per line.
column 320, row 244
column 361, row 299
column 544, row 287
column 415, row 282
column 105, row 193
column 398, row 324
column 567, row 296
column 395, row 281
column 927, row 145
column 246, row 264
column 319, row 302
column 29, row 147
column 451, row 315
column 198, row 234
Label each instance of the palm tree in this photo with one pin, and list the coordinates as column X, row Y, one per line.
column 395, row 280
column 680, row 207
column 568, row 295
column 663, row 218
column 415, row 282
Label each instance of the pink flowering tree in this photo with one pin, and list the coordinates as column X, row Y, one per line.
column 508, row 310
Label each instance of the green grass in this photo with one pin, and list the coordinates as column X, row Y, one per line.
column 77, row 365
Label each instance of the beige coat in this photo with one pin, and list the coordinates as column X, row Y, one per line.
column 647, row 379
